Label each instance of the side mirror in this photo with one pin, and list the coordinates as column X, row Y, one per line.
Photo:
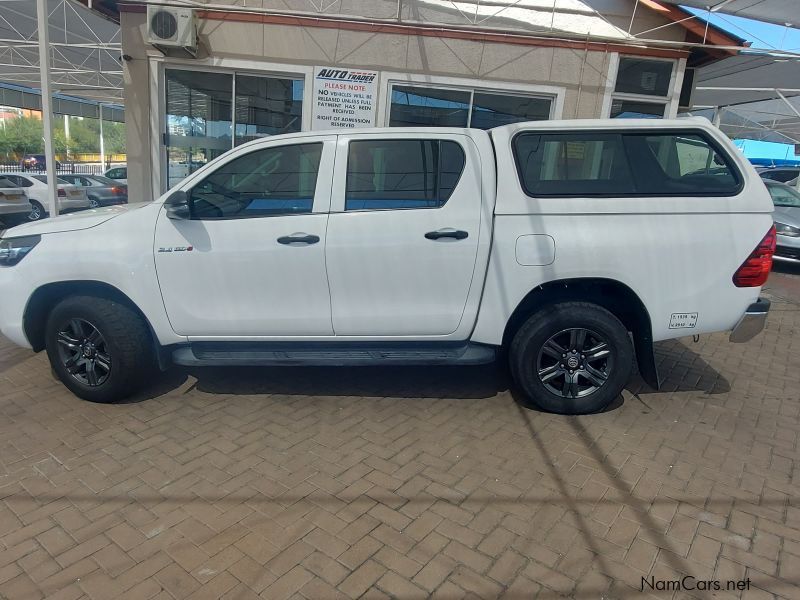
column 177, row 205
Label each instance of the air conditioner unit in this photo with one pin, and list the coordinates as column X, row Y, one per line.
column 169, row 27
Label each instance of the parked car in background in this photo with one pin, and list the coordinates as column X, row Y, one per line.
column 117, row 174
column 70, row 197
column 567, row 247
column 781, row 174
column 787, row 220
column 35, row 162
column 100, row 190
column 14, row 204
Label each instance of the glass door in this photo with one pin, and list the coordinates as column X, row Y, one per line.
column 209, row 113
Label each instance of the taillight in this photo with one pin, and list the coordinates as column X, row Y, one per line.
column 755, row 270
column 61, row 192
column 117, row 191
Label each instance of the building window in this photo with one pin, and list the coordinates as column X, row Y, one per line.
column 208, row 113
column 634, row 109
column 267, row 106
column 457, row 107
column 642, row 88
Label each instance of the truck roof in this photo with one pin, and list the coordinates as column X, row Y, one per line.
column 559, row 124
column 582, row 124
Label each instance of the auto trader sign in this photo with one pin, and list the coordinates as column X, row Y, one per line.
column 344, row 98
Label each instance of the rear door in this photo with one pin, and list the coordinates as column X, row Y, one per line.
column 403, row 234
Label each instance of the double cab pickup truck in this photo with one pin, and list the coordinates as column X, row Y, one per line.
column 565, row 247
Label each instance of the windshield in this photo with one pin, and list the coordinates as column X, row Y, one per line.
column 783, row 195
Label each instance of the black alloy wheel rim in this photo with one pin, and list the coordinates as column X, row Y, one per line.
column 574, row 363
column 83, row 352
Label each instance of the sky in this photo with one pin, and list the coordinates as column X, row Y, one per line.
column 766, row 36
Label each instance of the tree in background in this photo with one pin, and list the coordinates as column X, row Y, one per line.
column 23, row 135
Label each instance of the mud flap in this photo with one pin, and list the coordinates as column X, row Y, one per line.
column 646, row 359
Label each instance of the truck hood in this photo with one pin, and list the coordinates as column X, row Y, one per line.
column 73, row 221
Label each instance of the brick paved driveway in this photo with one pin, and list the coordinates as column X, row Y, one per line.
column 319, row 483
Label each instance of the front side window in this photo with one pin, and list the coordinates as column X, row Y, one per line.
column 623, row 164
column 268, row 182
column 398, row 174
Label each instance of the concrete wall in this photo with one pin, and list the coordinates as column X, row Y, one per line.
column 581, row 75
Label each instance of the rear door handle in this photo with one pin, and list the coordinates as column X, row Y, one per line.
column 447, row 233
column 298, row 238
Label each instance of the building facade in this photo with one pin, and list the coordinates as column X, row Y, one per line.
column 262, row 70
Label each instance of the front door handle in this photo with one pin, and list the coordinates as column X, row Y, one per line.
column 447, row 233
column 298, row 238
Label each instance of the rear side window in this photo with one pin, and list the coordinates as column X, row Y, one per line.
column 689, row 163
column 400, row 174
column 573, row 164
column 601, row 164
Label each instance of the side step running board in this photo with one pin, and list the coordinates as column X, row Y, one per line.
column 338, row 354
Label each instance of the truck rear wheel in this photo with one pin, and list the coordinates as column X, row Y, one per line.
column 99, row 349
column 571, row 358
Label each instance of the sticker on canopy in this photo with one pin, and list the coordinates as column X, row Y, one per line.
column 682, row 320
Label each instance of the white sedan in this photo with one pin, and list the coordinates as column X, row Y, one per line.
column 14, row 204
column 70, row 197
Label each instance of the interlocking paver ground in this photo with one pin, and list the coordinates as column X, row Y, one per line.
column 406, row 482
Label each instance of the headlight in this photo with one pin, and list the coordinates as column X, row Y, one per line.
column 13, row 250
column 787, row 230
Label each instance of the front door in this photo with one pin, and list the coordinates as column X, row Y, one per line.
column 250, row 262
column 403, row 233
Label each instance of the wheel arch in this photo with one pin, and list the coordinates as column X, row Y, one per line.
column 613, row 295
column 45, row 298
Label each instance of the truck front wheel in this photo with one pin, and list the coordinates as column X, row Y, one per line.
column 99, row 348
column 571, row 358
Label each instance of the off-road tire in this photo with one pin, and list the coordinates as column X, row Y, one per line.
column 127, row 339
column 528, row 342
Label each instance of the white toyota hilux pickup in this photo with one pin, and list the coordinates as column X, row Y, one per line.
column 568, row 247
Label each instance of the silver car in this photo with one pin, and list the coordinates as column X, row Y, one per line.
column 787, row 220
column 100, row 190
column 14, row 203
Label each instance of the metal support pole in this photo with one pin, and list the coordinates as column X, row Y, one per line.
column 66, row 131
column 42, row 15
column 102, row 141
column 718, row 116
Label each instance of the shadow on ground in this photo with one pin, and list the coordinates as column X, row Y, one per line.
column 675, row 358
